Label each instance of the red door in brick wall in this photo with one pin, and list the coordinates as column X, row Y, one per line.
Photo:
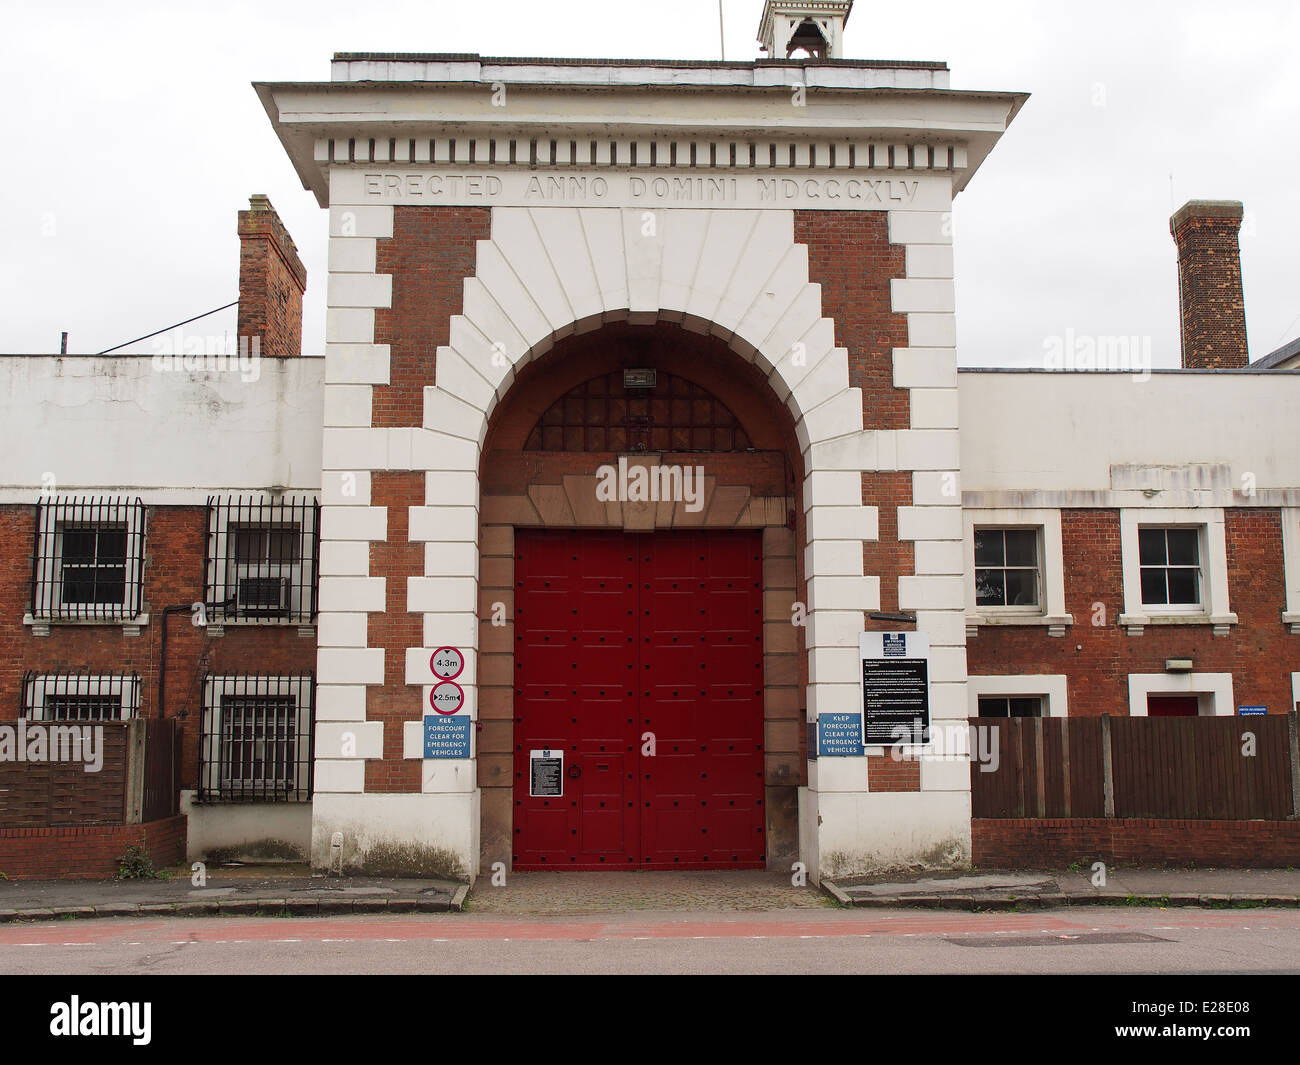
column 619, row 636
column 1173, row 706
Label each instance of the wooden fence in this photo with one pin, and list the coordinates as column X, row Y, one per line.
column 135, row 782
column 1205, row 768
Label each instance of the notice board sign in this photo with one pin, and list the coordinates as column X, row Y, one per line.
column 840, row 736
column 895, row 688
column 546, row 774
column 446, row 738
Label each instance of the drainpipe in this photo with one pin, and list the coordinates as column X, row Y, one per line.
column 162, row 653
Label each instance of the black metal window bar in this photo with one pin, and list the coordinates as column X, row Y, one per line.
column 256, row 743
column 261, row 566
column 80, row 696
column 88, row 560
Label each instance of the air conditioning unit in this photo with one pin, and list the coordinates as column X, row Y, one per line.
column 263, row 597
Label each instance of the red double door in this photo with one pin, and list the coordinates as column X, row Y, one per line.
column 639, row 659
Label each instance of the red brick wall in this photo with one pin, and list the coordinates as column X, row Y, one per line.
column 430, row 255
column 175, row 548
column 91, row 852
column 395, row 630
column 1260, row 652
column 885, row 774
column 850, row 256
column 888, row 557
column 1057, row 844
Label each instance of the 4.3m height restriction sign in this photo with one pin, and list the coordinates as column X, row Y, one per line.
column 447, row 663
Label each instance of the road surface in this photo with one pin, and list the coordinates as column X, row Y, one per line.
column 1087, row 940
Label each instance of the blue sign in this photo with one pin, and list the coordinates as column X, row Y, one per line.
column 1252, row 711
column 446, row 737
column 840, row 736
column 895, row 645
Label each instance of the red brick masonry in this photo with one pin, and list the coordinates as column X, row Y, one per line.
column 1048, row 844
column 87, row 852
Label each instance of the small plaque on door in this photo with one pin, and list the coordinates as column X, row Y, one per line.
column 546, row 774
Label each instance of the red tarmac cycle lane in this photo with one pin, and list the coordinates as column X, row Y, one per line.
column 452, row 928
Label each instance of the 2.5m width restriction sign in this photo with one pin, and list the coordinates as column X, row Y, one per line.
column 447, row 698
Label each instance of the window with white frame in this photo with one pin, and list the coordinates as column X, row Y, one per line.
column 80, row 697
column 1015, row 569
column 1010, row 706
column 1170, row 561
column 1018, row 696
column 1291, row 562
column 1213, row 692
column 1007, row 569
column 256, row 739
column 89, row 559
column 262, row 554
column 1175, row 568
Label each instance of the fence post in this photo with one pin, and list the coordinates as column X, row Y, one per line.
column 1293, row 752
column 1107, row 768
column 1065, row 762
column 1018, row 761
column 134, row 782
column 1040, row 784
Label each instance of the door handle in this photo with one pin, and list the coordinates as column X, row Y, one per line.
column 575, row 771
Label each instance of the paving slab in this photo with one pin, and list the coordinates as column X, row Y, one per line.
column 563, row 893
column 1111, row 886
column 232, row 892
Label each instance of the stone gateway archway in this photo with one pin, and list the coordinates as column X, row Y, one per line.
column 674, row 671
column 795, row 292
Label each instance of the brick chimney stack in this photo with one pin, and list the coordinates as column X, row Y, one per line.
column 272, row 280
column 1209, row 284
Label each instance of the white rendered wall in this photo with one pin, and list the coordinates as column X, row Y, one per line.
column 166, row 435
column 1057, row 433
column 246, row 831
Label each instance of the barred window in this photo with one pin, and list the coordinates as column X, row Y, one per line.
column 256, row 742
column 261, row 566
column 80, row 696
column 88, row 559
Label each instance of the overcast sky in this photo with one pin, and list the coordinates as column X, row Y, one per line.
column 131, row 138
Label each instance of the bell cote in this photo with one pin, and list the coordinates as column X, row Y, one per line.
column 804, row 30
